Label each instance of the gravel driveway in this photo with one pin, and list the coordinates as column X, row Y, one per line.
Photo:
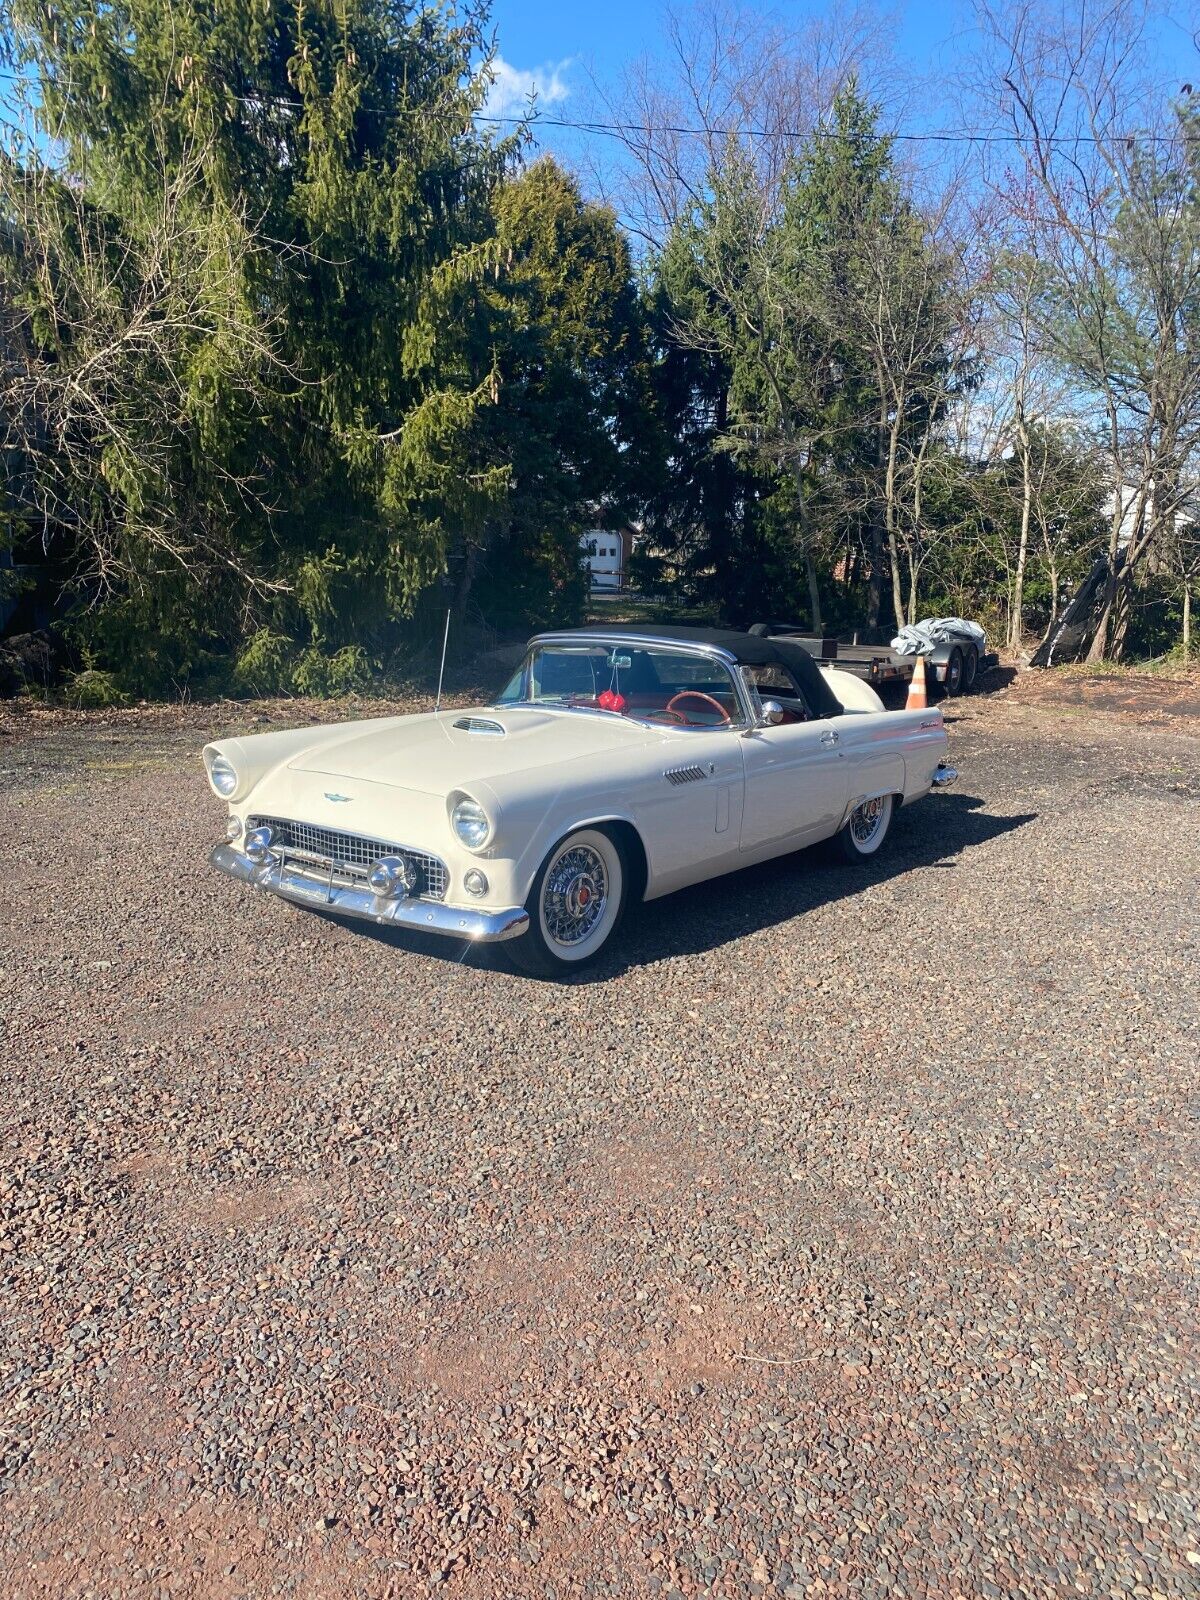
column 838, row 1237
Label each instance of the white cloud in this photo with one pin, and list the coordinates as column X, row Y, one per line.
column 509, row 94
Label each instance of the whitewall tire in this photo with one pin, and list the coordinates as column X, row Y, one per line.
column 574, row 906
column 866, row 828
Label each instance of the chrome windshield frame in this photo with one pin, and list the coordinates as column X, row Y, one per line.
column 640, row 641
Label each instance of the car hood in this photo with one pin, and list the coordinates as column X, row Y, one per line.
column 438, row 752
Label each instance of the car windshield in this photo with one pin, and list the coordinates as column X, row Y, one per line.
column 677, row 688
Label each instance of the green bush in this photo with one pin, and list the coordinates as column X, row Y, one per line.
column 93, row 690
column 265, row 666
column 347, row 671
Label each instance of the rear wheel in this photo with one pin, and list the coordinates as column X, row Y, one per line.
column 970, row 670
column 953, row 681
column 866, row 828
column 574, row 906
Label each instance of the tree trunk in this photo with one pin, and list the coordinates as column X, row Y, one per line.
column 1016, row 619
column 875, row 553
column 1105, row 644
column 1119, row 625
column 897, row 591
column 466, row 581
column 1098, row 649
column 814, row 593
column 889, row 520
column 875, row 578
column 1187, row 621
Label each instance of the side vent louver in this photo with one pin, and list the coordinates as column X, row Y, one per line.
column 684, row 774
column 480, row 725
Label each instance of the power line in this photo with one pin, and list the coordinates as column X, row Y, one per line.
column 622, row 130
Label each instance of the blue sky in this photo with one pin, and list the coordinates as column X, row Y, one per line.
column 548, row 38
column 562, row 47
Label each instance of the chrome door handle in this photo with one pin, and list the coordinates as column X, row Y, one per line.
column 829, row 738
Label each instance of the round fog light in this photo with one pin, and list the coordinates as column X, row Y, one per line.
column 391, row 877
column 258, row 843
column 233, row 829
column 475, row 882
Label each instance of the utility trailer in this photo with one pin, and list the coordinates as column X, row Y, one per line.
column 955, row 665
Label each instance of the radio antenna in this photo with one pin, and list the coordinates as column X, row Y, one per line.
column 442, row 668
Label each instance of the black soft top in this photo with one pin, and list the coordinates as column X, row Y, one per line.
column 747, row 649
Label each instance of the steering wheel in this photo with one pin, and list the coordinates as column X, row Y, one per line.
column 695, row 694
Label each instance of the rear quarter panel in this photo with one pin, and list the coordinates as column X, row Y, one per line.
column 892, row 752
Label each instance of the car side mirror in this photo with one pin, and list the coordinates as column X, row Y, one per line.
column 772, row 713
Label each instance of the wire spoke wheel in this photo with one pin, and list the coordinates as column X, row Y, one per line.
column 865, row 822
column 575, row 895
column 574, row 904
column 866, row 828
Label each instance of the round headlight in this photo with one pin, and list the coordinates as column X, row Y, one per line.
column 223, row 777
column 470, row 823
column 391, row 877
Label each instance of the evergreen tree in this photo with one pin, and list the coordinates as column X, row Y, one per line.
column 300, row 193
column 564, row 325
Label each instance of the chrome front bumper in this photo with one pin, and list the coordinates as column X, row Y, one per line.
column 319, row 894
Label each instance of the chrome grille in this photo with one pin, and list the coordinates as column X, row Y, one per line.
column 353, row 853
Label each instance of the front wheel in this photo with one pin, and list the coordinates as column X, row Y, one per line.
column 866, row 828
column 970, row 670
column 574, row 906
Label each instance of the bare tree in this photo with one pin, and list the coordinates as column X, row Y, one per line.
column 1108, row 165
column 729, row 71
column 916, row 309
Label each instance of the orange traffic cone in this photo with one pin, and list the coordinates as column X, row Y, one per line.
column 917, row 698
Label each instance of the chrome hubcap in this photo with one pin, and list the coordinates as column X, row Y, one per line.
column 865, row 822
column 575, row 895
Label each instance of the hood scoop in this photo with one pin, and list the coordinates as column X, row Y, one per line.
column 482, row 725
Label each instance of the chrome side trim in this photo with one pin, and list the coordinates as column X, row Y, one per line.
column 678, row 775
column 944, row 776
column 425, row 916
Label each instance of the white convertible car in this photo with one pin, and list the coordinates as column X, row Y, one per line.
column 619, row 763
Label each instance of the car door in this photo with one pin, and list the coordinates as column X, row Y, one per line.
column 796, row 782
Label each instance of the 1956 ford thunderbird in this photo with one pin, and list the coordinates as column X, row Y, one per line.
column 618, row 763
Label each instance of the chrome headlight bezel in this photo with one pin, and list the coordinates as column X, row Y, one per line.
column 470, row 823
column 223, row 777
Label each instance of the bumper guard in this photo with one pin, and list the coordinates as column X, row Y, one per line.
column 321, row 894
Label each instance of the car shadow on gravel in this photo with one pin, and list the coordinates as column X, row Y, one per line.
column 723, row 909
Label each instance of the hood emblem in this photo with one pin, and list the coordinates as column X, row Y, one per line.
column 338, row 799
